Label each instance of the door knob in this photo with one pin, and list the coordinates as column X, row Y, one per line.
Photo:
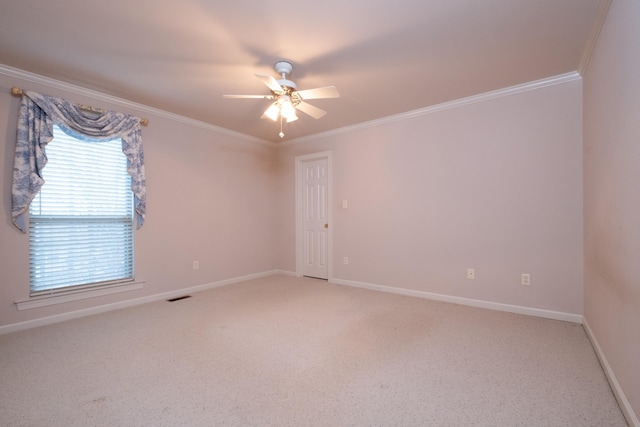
column 326, row 226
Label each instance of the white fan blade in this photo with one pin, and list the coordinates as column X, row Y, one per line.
column 319, row 93
column 248, row 96
column 309, row 109
column 270, row 82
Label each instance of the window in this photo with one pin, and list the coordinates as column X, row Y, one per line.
column 81, row 221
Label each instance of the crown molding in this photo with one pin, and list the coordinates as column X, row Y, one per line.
column 590, row 45
column 68, row 87
column 512, row 90
column 78, row 90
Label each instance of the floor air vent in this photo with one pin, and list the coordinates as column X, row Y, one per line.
column 179, row 298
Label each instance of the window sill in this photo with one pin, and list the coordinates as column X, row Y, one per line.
column 44, row 300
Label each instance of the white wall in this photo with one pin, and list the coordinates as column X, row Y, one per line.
column 612, row 196
column 494, row 185
column 209, row 198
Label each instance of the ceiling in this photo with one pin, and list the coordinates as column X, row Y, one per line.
column 385, row 57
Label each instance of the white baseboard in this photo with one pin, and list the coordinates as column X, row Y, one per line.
column 14, row 327
column 625, row 406
column 574, row 318
column 548, row 314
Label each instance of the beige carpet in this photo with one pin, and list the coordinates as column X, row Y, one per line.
column 283, row 351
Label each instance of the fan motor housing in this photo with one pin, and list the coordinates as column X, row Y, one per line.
column 287, row 83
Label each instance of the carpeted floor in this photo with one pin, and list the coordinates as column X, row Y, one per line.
column 285, row 351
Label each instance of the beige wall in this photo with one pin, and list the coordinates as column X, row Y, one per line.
column 209, row 198
column 612, row 195
column 494, row 185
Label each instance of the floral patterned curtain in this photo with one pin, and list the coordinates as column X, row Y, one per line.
column 36, row 117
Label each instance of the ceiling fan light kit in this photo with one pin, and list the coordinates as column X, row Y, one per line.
column 287, row 110
column 272, row 112
column 287, row 98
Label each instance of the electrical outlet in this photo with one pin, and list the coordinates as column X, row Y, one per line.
column 345, row 260
column 196, row 265
column 471, row 273
column 345, row 204
column 525, row 279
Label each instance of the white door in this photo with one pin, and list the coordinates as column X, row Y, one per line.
column 315, row 214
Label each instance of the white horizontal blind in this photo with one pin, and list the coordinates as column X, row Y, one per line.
column 81, row 221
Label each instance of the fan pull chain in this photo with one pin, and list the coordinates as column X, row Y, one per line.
column 281, row 133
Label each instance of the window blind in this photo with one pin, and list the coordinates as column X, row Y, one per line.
column 81, row 221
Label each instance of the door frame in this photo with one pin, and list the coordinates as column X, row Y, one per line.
column 299, row 211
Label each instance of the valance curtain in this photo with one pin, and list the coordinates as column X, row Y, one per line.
column 36, row 117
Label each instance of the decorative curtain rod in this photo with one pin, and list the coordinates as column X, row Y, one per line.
column 16, row 91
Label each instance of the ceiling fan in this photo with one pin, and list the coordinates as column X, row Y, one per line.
column 287, row 98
